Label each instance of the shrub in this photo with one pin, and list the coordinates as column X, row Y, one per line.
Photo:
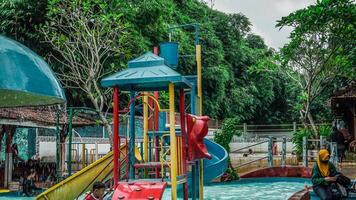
column 223, row 137
column 297, row 139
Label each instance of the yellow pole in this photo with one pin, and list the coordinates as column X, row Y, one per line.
column 83, row 155
column 199, row 75
column 199, row 85
column 145, row 132
column 173, row 141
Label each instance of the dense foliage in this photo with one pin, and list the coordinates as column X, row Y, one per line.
column 231, row 87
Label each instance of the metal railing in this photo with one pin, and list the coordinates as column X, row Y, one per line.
column 251, row 132
column 271, row 142
column 322, row 143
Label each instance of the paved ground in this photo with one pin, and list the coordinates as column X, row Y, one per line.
column 349, row 171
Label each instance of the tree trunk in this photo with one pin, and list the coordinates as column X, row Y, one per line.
column 311, row 121
column 303, row 119
column 107, row 127
column 101, row 114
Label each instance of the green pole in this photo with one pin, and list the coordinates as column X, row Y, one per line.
column 57, row 144
column 70, row 133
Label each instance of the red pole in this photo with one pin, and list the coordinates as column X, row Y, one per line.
column 116, row 137
column 184, row 145
column 156, row 95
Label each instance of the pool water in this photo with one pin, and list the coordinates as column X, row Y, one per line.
column 13, row 196
column 247, row 189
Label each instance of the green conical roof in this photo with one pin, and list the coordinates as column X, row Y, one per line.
column 147, row 72
column 25, row 78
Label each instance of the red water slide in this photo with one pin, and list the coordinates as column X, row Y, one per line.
column 139, row 190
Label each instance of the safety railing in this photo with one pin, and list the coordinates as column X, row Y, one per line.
column 272, row 142
column 165, row 151
column 320, row 143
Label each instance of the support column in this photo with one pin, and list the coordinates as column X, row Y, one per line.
column 156, row 139
column 334, row 154
column 184, row 136
column 83, row 156
column 199, row 76
column 270, row 153
column 173, row 142
column 156, row 118
column 116, row 137
column 8, row 156
column 37, row 150
column 132, row 136
column 200, row 95
column 70, row 136
column 58, row 148
column 196, row 163
column 305, row 151
column 322, row 142
column 145, row 133
column 96, row 151
column 284, row 151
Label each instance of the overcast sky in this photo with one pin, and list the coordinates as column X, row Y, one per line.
column 263, row 15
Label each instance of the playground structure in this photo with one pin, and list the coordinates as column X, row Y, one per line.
column 172, row 155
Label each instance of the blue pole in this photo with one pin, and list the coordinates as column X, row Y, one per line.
column 132, row 137
column 196, row 34
column 195, row 167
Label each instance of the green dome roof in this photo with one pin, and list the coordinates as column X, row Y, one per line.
column 25, row 78
column 148, row 72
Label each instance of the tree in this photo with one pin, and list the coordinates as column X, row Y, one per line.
column 315, row 56
column 19, row 20
column 85, row 35
column 228, row 50
column 255, row 41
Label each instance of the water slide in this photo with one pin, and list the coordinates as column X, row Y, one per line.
column 82, row 181
column 217, row 165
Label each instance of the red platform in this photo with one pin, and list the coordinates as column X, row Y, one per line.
column 139, row 190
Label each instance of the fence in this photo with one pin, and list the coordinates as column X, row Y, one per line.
column 321, row 143
column 272, row 142
column 250, row 132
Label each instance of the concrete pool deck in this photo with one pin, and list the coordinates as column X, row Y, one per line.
column 349, row 171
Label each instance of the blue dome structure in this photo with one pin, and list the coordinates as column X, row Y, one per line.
column 25, row 78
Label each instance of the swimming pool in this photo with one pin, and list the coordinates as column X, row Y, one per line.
column 254, row 188
column 245, row 189
column 13, row 196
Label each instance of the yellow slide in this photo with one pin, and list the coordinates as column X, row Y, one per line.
column 82, row 181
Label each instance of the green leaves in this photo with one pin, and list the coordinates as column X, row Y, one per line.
column 229, row 128
column 235, row 80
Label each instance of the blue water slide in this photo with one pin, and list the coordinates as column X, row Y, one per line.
column 217, row 165
column 213, row 168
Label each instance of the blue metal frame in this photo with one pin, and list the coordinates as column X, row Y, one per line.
column 132, row 137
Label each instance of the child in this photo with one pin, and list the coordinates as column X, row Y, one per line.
column 97, row 192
